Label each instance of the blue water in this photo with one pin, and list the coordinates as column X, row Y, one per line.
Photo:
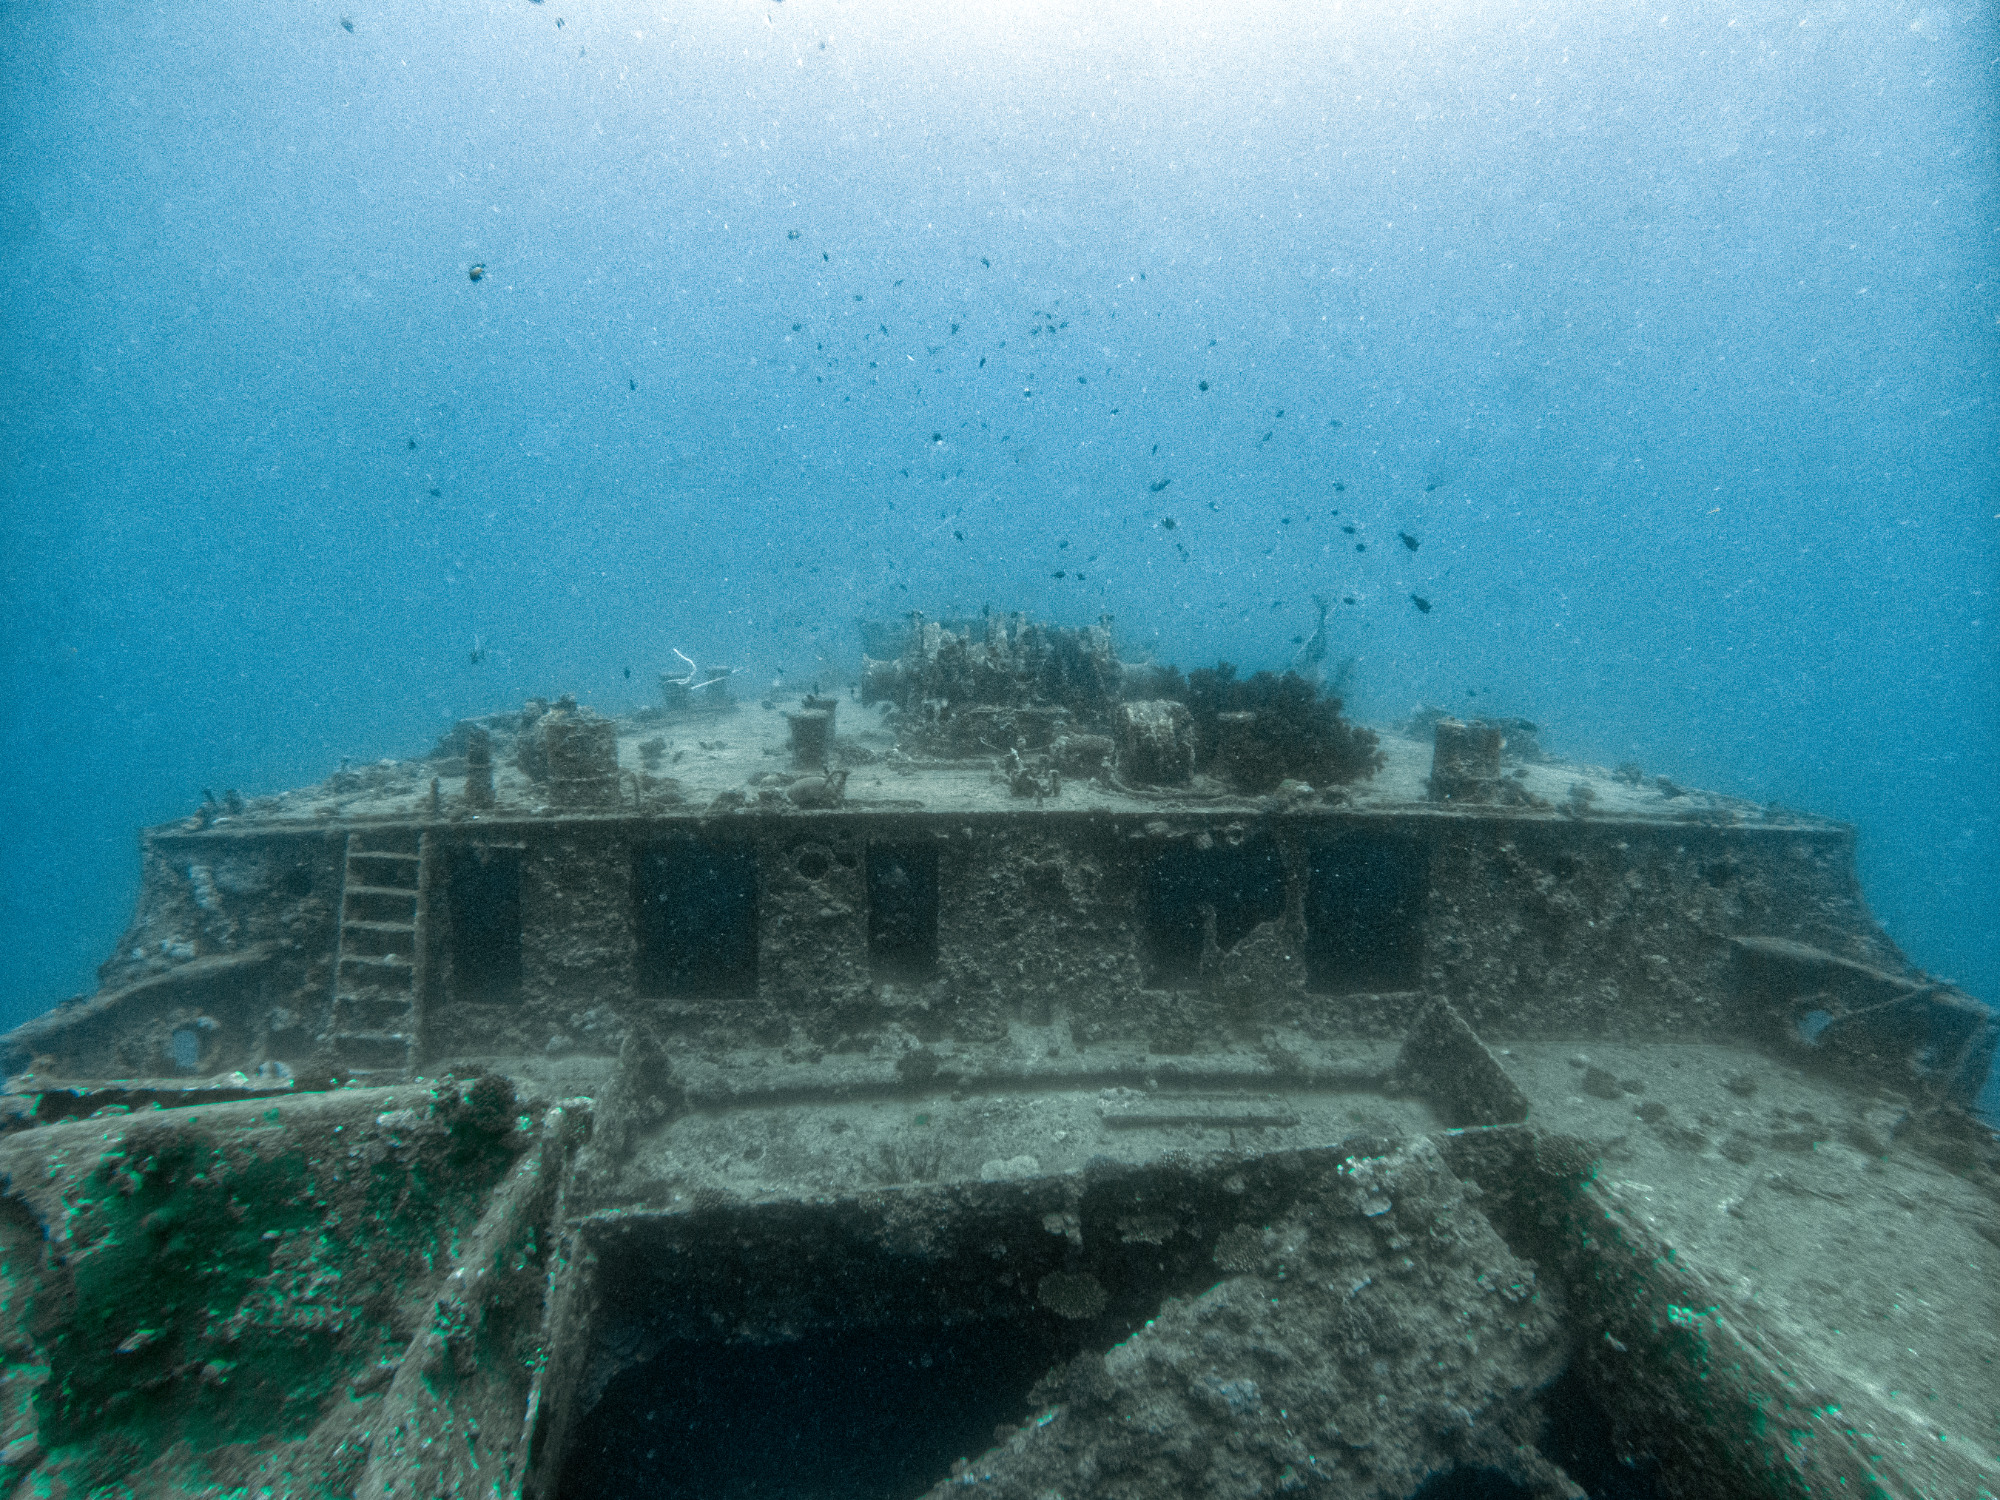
column 1670, row 334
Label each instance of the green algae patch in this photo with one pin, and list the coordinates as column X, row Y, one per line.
column 225, row 1290
column 178, row 1243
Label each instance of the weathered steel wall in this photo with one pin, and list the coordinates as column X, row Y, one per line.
column 1532, row 925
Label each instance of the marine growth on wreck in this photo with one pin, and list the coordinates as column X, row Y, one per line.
column 1019, row 1071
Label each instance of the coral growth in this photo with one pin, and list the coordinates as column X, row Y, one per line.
column 1259, row 731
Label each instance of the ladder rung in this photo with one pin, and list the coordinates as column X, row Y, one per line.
column 380, row 960
column 354, row 854
column 383, row 890
column 354, row 924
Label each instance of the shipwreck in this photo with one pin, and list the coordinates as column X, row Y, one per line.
column 1018, row 1072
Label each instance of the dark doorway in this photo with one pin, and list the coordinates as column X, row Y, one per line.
column 484, row 900
column 696, row 919
column 1365, row 914
column 903, row 911
column 858, row 1414
column 1244, row 885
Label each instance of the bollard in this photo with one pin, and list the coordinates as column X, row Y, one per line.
column 478, row 767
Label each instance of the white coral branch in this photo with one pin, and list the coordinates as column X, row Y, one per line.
column 721, row 674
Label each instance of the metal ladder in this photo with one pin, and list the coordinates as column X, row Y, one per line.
column 376, row 972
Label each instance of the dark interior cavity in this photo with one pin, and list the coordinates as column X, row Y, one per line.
column 855, row 1371
column 854, row 1414
column 1471, row 1484
column 1578, row 1436
column 903, row 910
column 484, row 897
column 696, row 920
column 1365, row 914
column 1243, row 884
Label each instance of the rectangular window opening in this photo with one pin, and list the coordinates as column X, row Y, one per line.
column 903, row 911
column 1243, row 887
column 1365, row 914
column 484, row 898
column 696, row 919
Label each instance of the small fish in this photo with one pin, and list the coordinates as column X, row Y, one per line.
column 1267, row 437
column 1408, row 541
column 1202, row 385
column 478, row 272
column 1423, row 605
column 1156, row 488
column 345, row 24
column 1348, row 529
column 1347, row 599
column 791, row 234
column 1059, row 573
column 1167, row 523
column 959, row 534
column 413, row 445
column 631, row 385
column 1339, row 488
column 436, row 493
column 628, row 674
column 478, row 652
column 1360, row 546
column 986, row 263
